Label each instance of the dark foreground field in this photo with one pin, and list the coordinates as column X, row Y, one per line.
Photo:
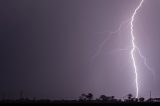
column 77, row 102
column 87, row 99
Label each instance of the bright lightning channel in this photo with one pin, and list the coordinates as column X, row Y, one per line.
column 134, row 47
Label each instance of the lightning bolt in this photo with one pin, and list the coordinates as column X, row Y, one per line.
column 145, row 62
column 134, row 47
column 108, row 38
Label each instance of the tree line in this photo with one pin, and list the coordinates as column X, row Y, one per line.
column 103, row 98
column 86, row 98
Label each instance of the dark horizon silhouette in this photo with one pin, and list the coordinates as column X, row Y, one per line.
column 84, row 99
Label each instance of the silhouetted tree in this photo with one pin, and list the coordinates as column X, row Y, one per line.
column 141, row 99
column 83, row 97
column 107, row 98
column 89, row 96
column 103, row 98
column 130, row 96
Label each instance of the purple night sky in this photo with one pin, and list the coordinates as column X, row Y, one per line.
column 54, row 48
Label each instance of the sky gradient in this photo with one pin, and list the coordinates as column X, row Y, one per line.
column 55, row 48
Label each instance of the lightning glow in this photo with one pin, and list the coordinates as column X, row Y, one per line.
column 134, row 47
